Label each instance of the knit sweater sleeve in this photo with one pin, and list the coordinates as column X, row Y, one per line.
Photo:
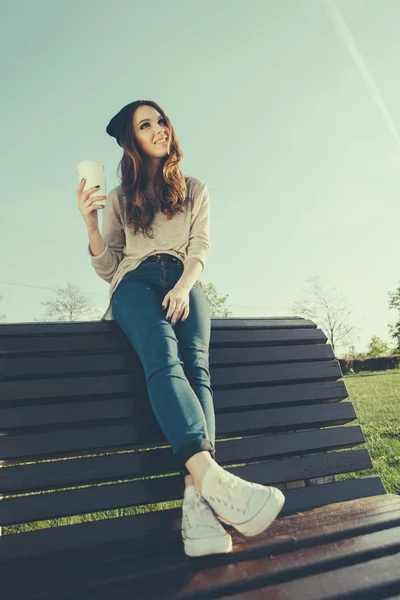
column 199, row 236
column 113, row 234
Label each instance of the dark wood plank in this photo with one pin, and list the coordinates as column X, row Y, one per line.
column 77, row 409
column 75, row 337
column 284, row 394
column 229, row 377
column 267, row 573
column 324, row 538
column 13, row 345
column 47, row 328
column 278, row 576
column 89, row 327
column 144, row 491
column 370, row 580
column 52, row 441
column 65, row 387
column 262, row 337
column 82, row 361
column 249, row 375
column 98, row 469
column 89, row 407
column 270, row 354
column 277, row 419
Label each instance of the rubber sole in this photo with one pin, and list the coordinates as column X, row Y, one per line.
column 205, row 546
column 265, row 516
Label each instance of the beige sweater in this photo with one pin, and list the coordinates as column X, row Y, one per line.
column 186, row 235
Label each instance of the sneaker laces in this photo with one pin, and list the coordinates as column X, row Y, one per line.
column 234, row 493
column 198, row 511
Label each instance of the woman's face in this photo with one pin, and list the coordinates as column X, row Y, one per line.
column 149, row 127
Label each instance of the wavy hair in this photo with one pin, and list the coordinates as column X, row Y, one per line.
column 169, row 183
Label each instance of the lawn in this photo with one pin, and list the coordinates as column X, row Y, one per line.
column 376, row 399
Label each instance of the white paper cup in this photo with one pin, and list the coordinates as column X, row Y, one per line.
column 93, row 172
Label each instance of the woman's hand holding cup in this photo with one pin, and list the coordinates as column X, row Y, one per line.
column 87, row 207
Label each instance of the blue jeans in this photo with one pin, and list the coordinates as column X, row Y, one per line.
column 175, row 358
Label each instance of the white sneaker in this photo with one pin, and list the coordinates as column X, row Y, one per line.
column 248, row 507
column 202, row 533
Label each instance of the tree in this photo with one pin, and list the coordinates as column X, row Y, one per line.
column 329, row 311
column 216, row 303
column 395, row 303
column 69, row 305
column 378, row 347
column 351, row 353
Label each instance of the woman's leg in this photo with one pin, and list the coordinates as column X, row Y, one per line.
column 189, row 480
column 197, row 466
column 137, row 309
column 194, row 341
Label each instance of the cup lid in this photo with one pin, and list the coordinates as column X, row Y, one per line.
column 85, row 163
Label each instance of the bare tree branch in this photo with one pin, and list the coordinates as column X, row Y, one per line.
column 330, row 311
column 69, row 305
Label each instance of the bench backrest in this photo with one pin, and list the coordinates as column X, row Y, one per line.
column 75, row 412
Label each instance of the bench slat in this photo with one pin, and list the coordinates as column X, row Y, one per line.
column 89, row 408
column 51, row 441
column 82, row 362
column 161, row 489
column 44, row 337
column 103, row 383
column 14, row 346
column 85, row 328
column 301, row 574
column 98, row 469
column 369, row 579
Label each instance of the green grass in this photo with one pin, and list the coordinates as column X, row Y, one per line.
column 376, row 399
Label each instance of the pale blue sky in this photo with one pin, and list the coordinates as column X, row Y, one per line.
column 293, row 130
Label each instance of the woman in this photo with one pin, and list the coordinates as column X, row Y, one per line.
column 153, row 247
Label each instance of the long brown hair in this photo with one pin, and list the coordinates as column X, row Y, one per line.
column 169, row 183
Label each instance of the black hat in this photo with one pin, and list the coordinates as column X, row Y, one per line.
column 117, row 126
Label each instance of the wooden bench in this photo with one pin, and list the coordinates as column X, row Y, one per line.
column 75, row 412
